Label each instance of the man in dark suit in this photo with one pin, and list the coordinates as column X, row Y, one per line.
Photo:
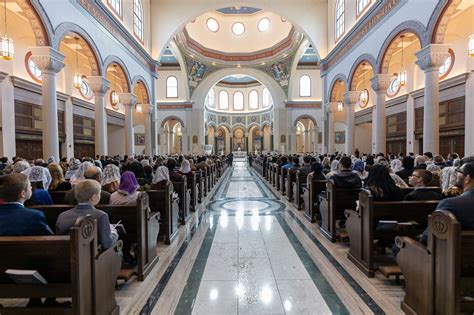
column 15, row 219
column 87, row 193
column 93, row 173
column 305, row 169
column 408, row 164
column 346, row 178
column 461, row 206
column 420, row 179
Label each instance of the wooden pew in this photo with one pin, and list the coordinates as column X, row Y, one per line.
column 72, row 265
column 311, row 197
column 58, row 197
column 332, row 205
column 141, row 224
column 165, row 202
column 193, row 184
column 184, row 194
column 297, row 189
column 361, row 226
column 205, row 176
column 281, row 180
column 438, row 276
column 276, row 171
column 200, row 183
column 290, row 180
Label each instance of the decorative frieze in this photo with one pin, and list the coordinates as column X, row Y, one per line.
column 47, row 59
column 431, row 57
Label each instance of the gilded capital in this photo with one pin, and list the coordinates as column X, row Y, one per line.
column 433, row 56
column 381, row 82
column 99, row 85
column 127, row 99
column 47, row 59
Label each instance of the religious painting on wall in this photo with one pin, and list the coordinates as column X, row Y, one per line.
column 139, row 139
column 340, row 137
column 280, row 73
column 196, row 73
column 195, row 139
column 283, row 139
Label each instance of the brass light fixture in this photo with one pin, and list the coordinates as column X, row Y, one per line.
column 115, row 99
column 340, row 106
column 364, row 95
column 139, row 108
column 7, row 50
column 77, row 76
column 402, row 75
column 471, row 45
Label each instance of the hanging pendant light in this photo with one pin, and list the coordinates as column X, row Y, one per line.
column 364, row 95
column 471, row 45
column 7, row 49
column 139, row 108
column 402, row 75
column 77, row 76
column 340, row 106
column 115, row 99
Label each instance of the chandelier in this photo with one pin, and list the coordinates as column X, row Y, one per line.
column 364, row 94
column 402, row 75
column 77, row 76
column 340, row 106
column 139, row 108
column 115, row 99
column 7, row 49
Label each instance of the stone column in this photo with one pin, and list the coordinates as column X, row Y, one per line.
column 50, row 62
column 147, row 111
column 7, row 114
column 100, row 86
column 351, row 98
column 380, row 84
column 429, row 60
column 128, row 101
column 184, row 140
column 162, row 140
column 292, row 138
column 331, row 109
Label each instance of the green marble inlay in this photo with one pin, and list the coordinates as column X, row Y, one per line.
column 327, row 292
column 186, row 301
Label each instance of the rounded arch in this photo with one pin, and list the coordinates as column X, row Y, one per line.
column 211, row 124
column 39, row 21
column 143, row 86
column 278, row 95
column 238, row 126
column 125, row 74
column 93, row 53
column 224, row 125
column 253, row 125
column 414, row 27
column 267, row 123
column 163, row 122
column 173, row 24
column 440, row 18
column 303, row 117
column 368, row 58
column 339, row 78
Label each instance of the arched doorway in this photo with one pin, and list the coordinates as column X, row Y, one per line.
column 173, row 136
column 223, row 140
column 238, row 140
column 305, row 135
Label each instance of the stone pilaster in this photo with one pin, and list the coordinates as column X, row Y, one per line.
column 430, row 58
column 331, row 109
column 100, row 86
column 380, row 84
column 351, row 98
column 128, row 101
column 50, row 62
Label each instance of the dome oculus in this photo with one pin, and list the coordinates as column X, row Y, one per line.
column 238, row 28
column 212, row 25
column 263, row 24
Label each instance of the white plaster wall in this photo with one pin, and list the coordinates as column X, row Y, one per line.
column 340, row 147
column 363, row 139
column 316, row 85
column 160, row 86
column 116, row 136
column 245, row 91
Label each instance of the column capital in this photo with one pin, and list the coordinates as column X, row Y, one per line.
column 99, row 85
column 47, row 59
column 351, row 98
column 147, row 109
column 381, row 82
column 331, row 107
column 431, row 57
column 3, row 75
column 127, row 99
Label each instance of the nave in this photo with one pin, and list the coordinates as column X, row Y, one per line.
column 251, row 252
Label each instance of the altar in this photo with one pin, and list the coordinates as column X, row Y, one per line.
column 240, row 154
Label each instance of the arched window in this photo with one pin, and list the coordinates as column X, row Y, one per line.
column 339, row 18
column 211, row 102
column 361, row 5
column 267, row 98
column 238, row 101
column 223, row 100
column 171, row 87
column 116, row 5
column 305, row 85
column 253, row 99
column 138, row 19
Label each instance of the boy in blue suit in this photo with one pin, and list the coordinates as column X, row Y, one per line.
column 15, row 219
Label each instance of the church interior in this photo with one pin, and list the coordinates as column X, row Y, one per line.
column 236, row 157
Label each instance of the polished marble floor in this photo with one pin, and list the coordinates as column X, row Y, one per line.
column 247, row 251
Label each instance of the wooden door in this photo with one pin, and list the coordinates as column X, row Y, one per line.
column 29, row 149
column 84, row 150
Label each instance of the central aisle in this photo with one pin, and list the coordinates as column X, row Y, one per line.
column 250, row 261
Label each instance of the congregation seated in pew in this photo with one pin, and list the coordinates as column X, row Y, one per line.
column 93, row 173
column 127, row 192
column 420, row 179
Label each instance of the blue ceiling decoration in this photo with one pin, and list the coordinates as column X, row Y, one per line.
column 309, row 57
column 168, row 58
column 238, row 10
column 238, row 80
